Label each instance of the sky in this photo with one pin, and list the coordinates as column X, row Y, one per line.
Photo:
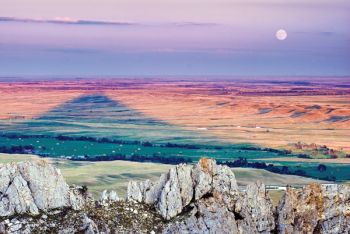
column 174, row 37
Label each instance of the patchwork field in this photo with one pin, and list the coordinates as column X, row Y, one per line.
column 115, row 175
column 227, row 119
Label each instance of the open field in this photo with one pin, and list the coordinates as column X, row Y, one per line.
column 225, row 119
column 115, row 175
column 272, row 113
column 309, row 160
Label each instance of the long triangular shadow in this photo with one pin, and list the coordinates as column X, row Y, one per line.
column 98, row 115
column 96, row 108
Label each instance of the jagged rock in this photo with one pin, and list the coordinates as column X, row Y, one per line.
column 106, row 198
column 255, row 210
column 79, row 197
column 202, row 176
column 185, row 184
column 224, row 181
column 28, row 187
column 201, row 198
column 207, row 216
column 227, row 210
column 89, row 226
column 134, row 192
column 315, row 209
column 113, row 196
column 146, row 191
column 170, row 202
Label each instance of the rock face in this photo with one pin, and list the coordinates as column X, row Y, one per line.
column 29, row 187
column 315, row 209
column 211, row 193
column 201, row 198
column 108, row 198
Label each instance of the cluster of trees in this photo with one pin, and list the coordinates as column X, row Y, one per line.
column 243, row 162
column 137, row 158
column 108, row 140
column 277, row 151
column 143, row 143
column 26, row 149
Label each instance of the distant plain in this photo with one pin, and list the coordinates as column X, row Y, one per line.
column 224, row 119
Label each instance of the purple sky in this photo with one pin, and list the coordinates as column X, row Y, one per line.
column 174, row 37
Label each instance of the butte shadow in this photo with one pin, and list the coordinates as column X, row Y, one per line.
column 97, row 115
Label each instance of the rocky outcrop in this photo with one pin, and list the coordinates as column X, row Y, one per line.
column 315, row 209
column 108, row 198
column 207, row 192
column 31, row 187
column 201, row 198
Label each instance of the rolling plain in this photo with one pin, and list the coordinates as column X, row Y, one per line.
column 260, row 120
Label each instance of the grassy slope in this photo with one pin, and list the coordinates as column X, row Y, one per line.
column 116, row 174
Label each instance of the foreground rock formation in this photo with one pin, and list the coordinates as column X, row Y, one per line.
column 28, row 188
column 315, row 209
column 202, row 198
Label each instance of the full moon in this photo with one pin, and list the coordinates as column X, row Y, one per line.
column 281, row 34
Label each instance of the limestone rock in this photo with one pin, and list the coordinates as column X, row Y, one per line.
column 315, row 209
column 107, row 198
column 89, row 226
column 207, row 216
column 28, row 187
column 201, row 198
column 113, row 196
column 184, row 185
column 79, row 197
column 46, row 183
column 170, row 202
column 255, row 210
column 203, row 177
column 134, row 192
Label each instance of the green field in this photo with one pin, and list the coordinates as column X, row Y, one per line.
column 116, row 174
column 98, row 116
column 54, row 147
column 334, row 171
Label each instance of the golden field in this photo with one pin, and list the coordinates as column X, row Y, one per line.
column 267, row 113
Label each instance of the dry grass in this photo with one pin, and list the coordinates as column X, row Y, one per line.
column 291, row 159
column 116, row 174
column 271, row 115
column 276, row 196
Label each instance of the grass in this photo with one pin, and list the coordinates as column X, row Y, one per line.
column 109, row 175
column 276, row 196
column 162, row 113
column 116, row 174
column 56, row 148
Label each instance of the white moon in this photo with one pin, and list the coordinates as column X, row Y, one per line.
column 281, row 34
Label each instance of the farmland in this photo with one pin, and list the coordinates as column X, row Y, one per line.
column 184, row 119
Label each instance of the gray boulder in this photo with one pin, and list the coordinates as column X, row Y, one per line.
column 108, row 198
column 255, row 210
column 28, row 187
column 211, row 191
column 206, row 216
column 315, row 209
